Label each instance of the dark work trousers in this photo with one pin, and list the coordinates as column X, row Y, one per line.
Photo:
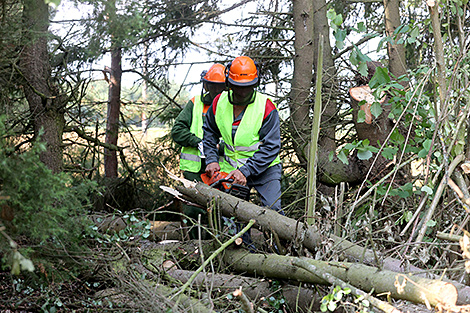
column 191, row 211
column 270, row 194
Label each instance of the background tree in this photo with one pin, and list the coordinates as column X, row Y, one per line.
column 46, row 103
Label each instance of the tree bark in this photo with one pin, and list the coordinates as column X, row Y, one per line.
column 440, row 60
column 114, row 97
column 379, row 304
column 301, row 234
column 400, row 286
column 114, row 107
column 302, row 77
column 45, row 104
column 321, row 28
column 396, row 52
column 285, row 227
column 310, row 22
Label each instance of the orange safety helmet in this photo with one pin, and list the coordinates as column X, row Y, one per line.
column 215, row 75
column 242, row 71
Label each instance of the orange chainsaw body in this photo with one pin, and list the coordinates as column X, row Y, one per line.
column 219, row 181
column 216, row 177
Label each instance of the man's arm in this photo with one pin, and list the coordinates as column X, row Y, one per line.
column 270, row 136
column 180, row 132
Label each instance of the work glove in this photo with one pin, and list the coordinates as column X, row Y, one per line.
column 200, row 147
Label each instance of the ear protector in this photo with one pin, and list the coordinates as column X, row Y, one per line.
column 203, row 73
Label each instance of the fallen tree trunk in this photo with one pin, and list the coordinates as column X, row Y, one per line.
column 379, row 304
column 370, row 279
column 285, row 227
column 299, row 299
column 296, row 231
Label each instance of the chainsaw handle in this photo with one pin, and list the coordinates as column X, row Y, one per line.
column 220, row 181
column 239, row 191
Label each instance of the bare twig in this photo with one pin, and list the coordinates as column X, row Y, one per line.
column 437, row 197
column 247, row 306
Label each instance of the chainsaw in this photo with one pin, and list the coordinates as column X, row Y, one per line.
column 218, row 181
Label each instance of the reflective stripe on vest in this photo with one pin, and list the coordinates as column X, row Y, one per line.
column 190, row 157
column 246, row 141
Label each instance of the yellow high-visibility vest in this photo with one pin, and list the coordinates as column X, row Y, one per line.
column 190, row 158
column 246, row 141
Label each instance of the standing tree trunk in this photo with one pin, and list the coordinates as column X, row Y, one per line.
column 396, row 52
column 302, row 76
column 144, row 90
column 45, row 105
column 322, row 29
column 439, row 55
column 114, row 107
column 310, row 22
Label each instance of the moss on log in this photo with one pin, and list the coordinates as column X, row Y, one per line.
column 370, row 279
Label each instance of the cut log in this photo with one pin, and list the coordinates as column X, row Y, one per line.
column 295, row 231
column 370, row 279
column 361, row 93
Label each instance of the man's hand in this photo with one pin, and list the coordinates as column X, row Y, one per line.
column 237, row 176
column 211, row 168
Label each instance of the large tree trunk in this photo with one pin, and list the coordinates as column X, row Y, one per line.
column 45, row 105
column 300, row 93
column 321, row 28
column 396, row 52
column 310, row 22
column 300, row 233
column 286, row 228
column 114, row 97
column 369, row 279
column 114, row 107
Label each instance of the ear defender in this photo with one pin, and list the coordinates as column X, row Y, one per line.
column 257, row 73
column 203, row 73
column 227, row 70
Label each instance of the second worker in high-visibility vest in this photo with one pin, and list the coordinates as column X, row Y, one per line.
column 187, row 131
column 248, row 122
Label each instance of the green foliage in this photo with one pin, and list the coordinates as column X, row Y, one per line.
column 364, row 150
column 363, row 304
column 331, row 301
column 405, row 218
column 47, row 206
column 335, row 22
column 135, row 227
column 276, row 300
column 53, row 2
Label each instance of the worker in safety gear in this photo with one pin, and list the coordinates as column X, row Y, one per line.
column 248, row 122
column 187, row 131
